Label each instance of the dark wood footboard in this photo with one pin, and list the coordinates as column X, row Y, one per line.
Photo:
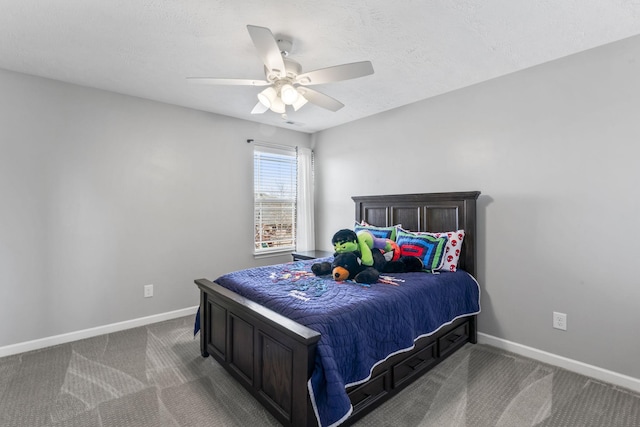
column 269, row 354
column 272, row 356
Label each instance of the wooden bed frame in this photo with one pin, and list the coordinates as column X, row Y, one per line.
column 272, row 356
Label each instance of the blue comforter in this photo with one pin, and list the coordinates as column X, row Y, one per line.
column 360, row 325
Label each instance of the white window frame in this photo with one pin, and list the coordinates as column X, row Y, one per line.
column 272, row 187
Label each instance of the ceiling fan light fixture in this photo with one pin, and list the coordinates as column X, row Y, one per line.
column 288, row 94
column 299, row 102
column 277, row 106
column 284, row 82
column 268, row 96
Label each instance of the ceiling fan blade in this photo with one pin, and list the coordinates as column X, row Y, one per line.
column 229, row 82
column 268, row 49
column 259, row 108
column 320, row 99
column 336, row 73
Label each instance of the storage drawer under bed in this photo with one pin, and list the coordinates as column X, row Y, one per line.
column 453, row 340
column 367, row 393
column 414, row 365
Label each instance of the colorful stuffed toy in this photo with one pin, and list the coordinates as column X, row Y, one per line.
column 345, row 241
column 368, row 243
column 363, row 244
column 371, row 263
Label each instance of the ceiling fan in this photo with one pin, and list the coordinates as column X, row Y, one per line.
column 285, row 81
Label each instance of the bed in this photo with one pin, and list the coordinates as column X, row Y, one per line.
column 276, row 358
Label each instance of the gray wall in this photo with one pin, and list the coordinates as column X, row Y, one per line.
column 103, row 193
column 554, row 150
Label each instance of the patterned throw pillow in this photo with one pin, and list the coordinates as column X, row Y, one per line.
column 428, row 248
column 452, row 250
column 380, row 232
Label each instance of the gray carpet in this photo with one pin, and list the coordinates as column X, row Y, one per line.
column 154, row 376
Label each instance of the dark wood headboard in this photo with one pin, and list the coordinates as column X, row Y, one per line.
column 433, row 212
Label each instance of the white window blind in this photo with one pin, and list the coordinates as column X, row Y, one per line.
column 275, row 198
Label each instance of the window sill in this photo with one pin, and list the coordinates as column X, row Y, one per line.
column 271, row 254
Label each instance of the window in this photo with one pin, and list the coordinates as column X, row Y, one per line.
column 275, row 199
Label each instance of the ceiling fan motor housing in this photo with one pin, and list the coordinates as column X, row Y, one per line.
column 292, row 69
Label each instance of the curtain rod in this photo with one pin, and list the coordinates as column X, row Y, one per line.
column 271, row 144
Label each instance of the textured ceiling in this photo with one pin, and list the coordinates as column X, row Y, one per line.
column 419, row 49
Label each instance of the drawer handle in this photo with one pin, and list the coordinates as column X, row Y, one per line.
column 364, row 397
column 454, row 338
column 415, row 363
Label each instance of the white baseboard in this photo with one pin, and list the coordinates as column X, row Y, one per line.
column 595, row 372
column 92, row 332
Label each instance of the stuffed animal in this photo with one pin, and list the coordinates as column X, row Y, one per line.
column 364, row 245
column 347, row 266
column 368, row 243
column 404, row 264
column 371, row 247
column 346, row 241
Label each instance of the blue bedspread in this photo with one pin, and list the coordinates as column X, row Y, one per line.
column 360, row 325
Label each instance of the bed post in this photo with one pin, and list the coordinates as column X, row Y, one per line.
column 473, row 330
column 204, row 331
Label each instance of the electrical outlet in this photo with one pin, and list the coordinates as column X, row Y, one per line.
column 560, row 321
column 148, row 291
